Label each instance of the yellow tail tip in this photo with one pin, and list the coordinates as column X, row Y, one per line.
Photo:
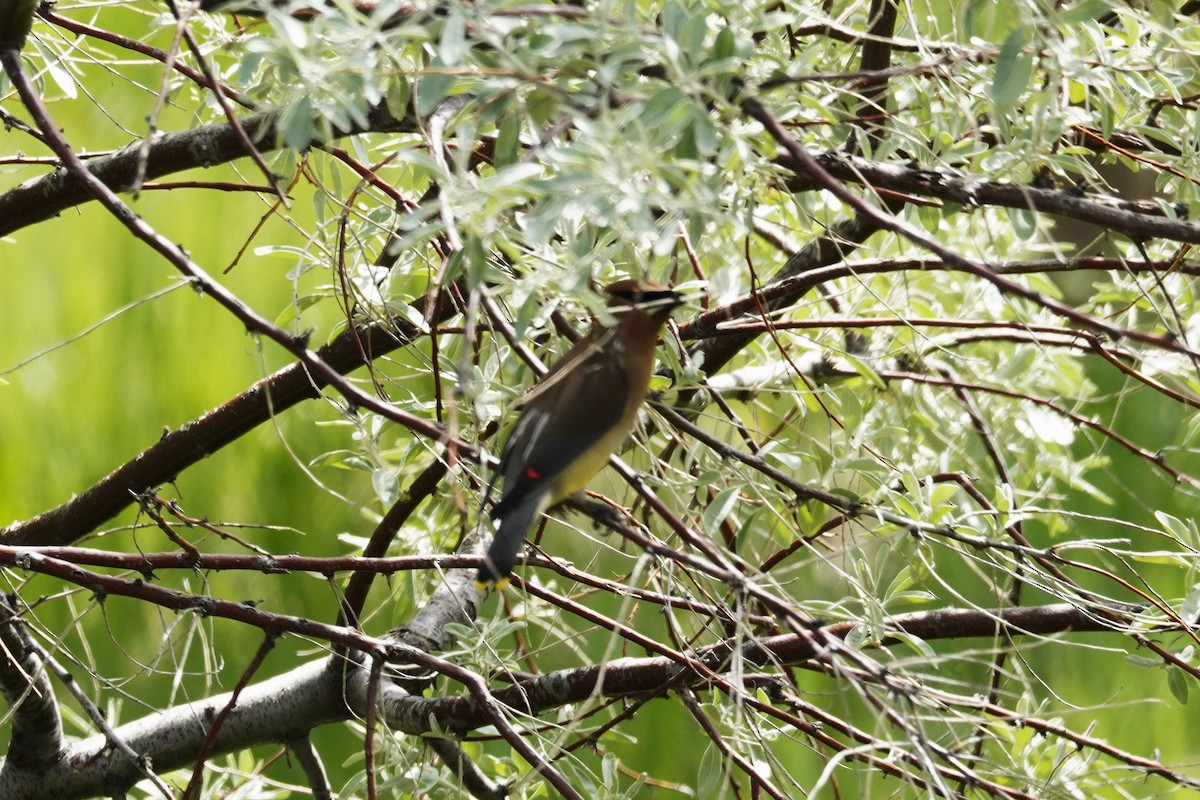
column 499, row 585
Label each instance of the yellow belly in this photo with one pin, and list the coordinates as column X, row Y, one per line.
column 575, row 477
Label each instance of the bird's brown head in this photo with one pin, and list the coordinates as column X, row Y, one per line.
column 644, row 298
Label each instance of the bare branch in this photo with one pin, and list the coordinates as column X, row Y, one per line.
column 38, row 200
column 271, row 711
column 303, row 751
column 36, row 728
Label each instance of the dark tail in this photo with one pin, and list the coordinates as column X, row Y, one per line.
column 510, row 535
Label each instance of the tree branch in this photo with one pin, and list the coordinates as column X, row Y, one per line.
column 205, row 146
column 274, row 710
column 1137, row 219
column 196, row 440
column 36, row 737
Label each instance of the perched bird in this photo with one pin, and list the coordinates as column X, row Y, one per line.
column 577, row 416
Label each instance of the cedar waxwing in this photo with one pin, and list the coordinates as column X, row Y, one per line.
column 577, row 416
